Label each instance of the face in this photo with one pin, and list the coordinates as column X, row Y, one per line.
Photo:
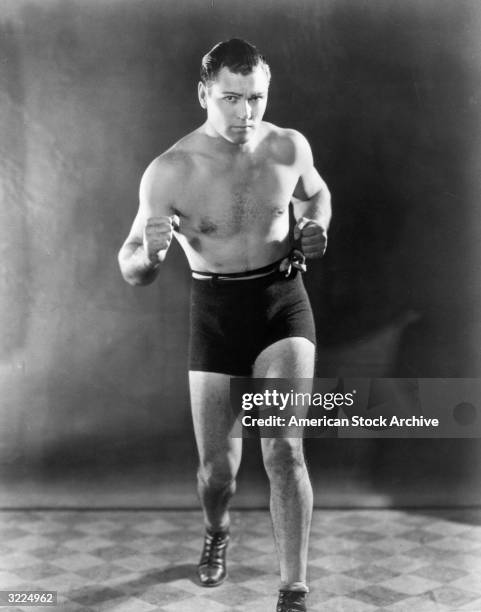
column 235, row 103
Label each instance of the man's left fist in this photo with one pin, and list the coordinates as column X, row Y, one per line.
column 313, row 237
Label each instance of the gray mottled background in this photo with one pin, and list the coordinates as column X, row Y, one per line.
column 94, row 399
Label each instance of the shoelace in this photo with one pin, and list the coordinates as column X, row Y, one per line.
column 214, row 547
column 294, row 600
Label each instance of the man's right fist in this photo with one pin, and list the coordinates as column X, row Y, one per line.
column 158, row 232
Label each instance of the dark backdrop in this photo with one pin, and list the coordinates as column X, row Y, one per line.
column 93, row 371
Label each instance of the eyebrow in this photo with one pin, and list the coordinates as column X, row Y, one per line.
column 236, row 93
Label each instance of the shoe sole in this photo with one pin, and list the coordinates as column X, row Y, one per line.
column 216, row 584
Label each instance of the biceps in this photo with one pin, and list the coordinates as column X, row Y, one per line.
column 136, row 233
column 156, row 182
column 147, row 204
column 309, row 183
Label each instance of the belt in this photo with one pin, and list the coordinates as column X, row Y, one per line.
column 295, row 261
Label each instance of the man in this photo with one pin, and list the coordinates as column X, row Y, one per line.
column 224, row 192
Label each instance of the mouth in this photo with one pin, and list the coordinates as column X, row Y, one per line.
column 243, row 127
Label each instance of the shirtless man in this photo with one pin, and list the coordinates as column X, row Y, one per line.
column 224, row 192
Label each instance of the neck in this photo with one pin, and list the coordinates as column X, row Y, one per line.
column 226, row 146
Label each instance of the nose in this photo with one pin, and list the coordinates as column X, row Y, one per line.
column 245, row 110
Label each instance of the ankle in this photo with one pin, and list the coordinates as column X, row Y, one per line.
column 299, row 586
column 217, row 529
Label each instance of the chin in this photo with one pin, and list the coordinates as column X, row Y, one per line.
column 242, row 138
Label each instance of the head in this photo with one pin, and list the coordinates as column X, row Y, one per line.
column 233, row 89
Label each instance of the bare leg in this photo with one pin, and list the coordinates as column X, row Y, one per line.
column 219, row 454
column 291, row 491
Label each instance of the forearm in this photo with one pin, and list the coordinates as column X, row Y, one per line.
column 317, row 208
column 134, row 265
column 313, row 216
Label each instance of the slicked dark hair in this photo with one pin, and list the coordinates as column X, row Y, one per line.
column 236, row 54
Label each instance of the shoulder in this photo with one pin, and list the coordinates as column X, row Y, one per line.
column 292, row 146
column 160, row 178
column 172, row 161
column 179, row 160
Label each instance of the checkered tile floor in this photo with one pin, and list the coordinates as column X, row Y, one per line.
column 139, row 561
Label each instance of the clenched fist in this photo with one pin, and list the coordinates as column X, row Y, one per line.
column 158, row 232
column 313, row 237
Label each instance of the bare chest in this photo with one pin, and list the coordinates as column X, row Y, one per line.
column 222, row 201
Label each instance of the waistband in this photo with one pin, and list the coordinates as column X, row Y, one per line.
column 293, row 262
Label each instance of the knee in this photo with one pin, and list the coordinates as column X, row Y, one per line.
column 282, row 456
column 216, row 471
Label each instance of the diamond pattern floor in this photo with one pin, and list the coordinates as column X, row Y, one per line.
column 144, row 561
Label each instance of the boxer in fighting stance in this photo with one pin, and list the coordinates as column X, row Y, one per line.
column 224, row 192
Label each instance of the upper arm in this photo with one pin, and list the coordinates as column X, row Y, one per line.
column 310, row 182
column 156, row 193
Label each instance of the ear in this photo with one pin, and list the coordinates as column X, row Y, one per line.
column 202, row 92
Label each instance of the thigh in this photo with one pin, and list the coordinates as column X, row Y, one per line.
column 291, row 358
column 213, row 416
column 287, row 358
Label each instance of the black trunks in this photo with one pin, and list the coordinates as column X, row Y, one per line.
column 232, row 321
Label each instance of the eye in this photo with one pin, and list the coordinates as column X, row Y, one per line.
column 230, row 98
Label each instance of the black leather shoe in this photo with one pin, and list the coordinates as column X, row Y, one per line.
column 291, row 601
column 212, row 569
